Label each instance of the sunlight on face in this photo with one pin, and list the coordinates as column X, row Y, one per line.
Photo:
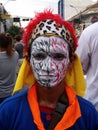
column 49, row 60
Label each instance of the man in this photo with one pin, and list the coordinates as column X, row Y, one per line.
column 88, row 53
column 50, row 103
column 19, row 47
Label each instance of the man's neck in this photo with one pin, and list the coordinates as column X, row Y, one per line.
column 49, row 96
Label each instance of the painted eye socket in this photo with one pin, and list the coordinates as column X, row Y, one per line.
column 58, row 56
column 39, row 56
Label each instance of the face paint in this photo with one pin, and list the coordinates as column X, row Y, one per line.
column 49, row 60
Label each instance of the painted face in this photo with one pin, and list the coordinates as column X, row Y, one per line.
column 49, row 60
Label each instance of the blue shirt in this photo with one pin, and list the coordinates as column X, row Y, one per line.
column 15, row 114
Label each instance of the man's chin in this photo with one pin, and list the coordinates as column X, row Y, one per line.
column 49, row 86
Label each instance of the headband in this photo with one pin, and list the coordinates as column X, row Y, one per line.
column 47, row 23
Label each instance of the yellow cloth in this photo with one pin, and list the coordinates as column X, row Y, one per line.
column 74, row 77
column 25, row 76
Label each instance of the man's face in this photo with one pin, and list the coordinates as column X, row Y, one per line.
column 49, row 60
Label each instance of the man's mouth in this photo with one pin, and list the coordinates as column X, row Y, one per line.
column 47, row 76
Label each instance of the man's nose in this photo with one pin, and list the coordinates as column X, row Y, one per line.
column 48, row 66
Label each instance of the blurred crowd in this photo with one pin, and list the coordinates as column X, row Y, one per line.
column 11, row 58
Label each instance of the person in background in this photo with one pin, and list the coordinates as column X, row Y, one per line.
column 19, row 47
column 94, row 19
column 8, row 63
column 88, row 53
column 51, row 103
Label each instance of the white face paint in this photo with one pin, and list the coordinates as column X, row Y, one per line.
column 49, row 60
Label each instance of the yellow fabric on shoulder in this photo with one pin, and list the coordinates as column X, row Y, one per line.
column 74, row 77
column 25, row 76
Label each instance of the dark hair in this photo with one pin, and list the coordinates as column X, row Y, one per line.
column 6, row 43
column 94, row 19
column 18, row 38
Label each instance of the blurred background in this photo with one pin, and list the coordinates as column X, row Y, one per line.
column 17, row 13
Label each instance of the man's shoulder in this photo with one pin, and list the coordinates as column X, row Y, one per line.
column 16, row 53
column 91, row 28
column 14, row 100
column 86, row 106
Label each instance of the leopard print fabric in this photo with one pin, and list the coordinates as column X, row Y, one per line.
column 51, row 27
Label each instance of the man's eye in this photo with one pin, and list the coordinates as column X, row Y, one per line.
column 39, row 56
column 58, row 56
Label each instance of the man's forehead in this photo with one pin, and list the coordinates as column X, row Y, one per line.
column 49, row 45
column 47, row 41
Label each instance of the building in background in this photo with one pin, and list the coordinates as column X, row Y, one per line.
column 75, row 11
column 86, row 17
column 5, row 19
column 73, row 7
column 89, row 15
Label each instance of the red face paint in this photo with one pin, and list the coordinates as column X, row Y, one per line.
column 49, row 60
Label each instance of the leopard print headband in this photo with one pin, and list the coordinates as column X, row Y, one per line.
column 51, row 27
column 48, row 24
